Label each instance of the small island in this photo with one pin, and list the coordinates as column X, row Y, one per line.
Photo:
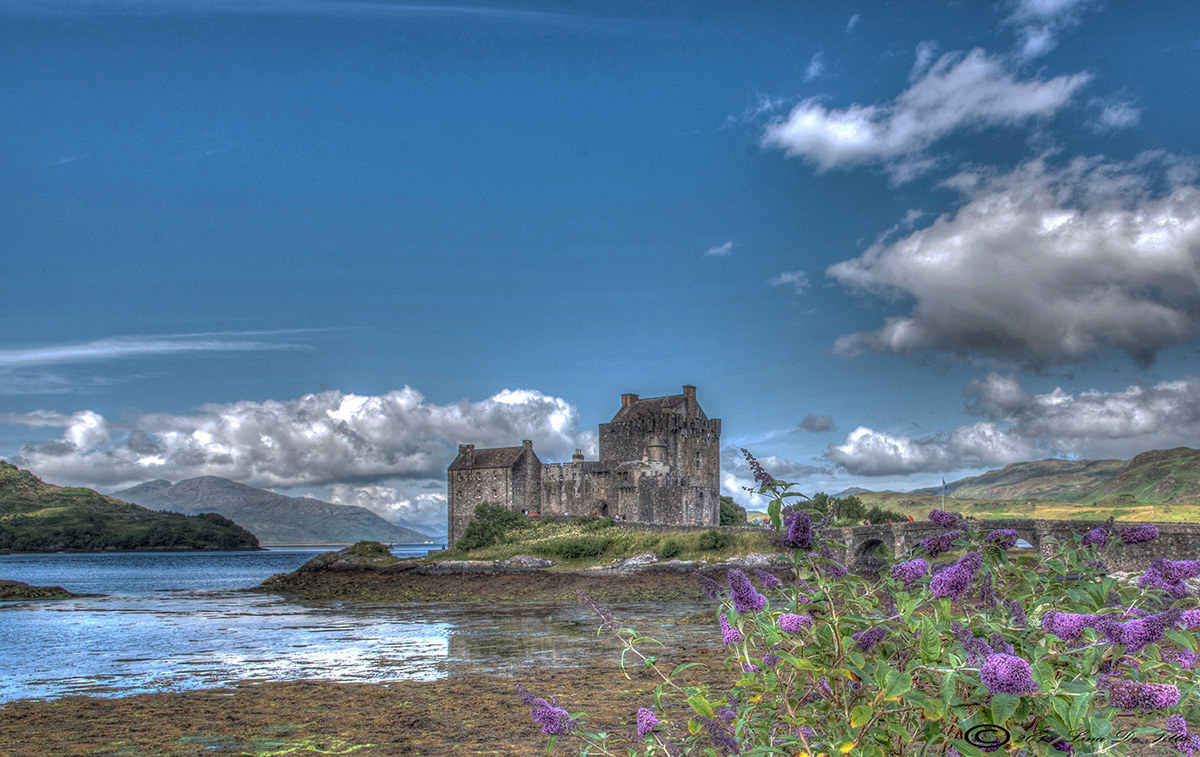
column 10, row 590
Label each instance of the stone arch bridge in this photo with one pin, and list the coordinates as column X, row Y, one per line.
column 1176, row 541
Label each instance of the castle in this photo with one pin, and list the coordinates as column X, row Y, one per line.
column 660, row 462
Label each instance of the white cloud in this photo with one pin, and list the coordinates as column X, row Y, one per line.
column 956, row 92
column 123, row 347
column 1044, row 266
column 1113, row 114
column 318, row 439
column 795, row 279
column 1019, row 426
column 737, row 480
column 853, row 22
column 425, row 510
column 720, row 251
column 1040, row 22
column 816, row 66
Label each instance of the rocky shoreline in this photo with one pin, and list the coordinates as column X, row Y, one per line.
column 356, row 573
column 18, row 590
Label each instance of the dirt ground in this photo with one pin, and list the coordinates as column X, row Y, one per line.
column 464, row 715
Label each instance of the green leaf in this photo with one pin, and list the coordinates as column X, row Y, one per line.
column 1183, row 639
column 701, row 706
column 1099, row 727
column 860, row 716
column 1062, row 708
column 1003, row 706
column 550, row 743
column 931, row 708
column 773, row 511
column 1079, row 708
column 931, row 642
column 897, row 684
column 947, row 689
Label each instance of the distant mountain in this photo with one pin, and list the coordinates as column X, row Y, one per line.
column 1165, row 476
column 276, row 518
column 39, row 517
column 1063, row 480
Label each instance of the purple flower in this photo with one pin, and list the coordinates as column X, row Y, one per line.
column 792, row 623
column 987, row 593
column 1136, row 695
column 729, row 634
column 799, row 531
column 1190, row 619
column 745, row 597
column 770, row 659
column 953, row 581
column 1097, row 536
column 976, row 648
column 711, row 588
column 761, row 477
column 748, row 667
column 1008, row 674
column 908, row 572
column 1174, row 571
column 936, row 545
column 1016, row 613
column 769, row 580
column 1064, row 746
column 1004, row 538
column 1138, row 534
column 943, row 519
column 1067, row 625
column 553, row 719
column 646, row 723
column 866, row 640
column 1155, row 579
column 1185, row 657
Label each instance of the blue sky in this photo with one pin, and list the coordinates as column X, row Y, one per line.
column 313, row 245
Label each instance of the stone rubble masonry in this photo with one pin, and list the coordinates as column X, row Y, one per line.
column 660, row 462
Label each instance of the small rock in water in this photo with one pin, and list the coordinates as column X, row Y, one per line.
column 527, row 561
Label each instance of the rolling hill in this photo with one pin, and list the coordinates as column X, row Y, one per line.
column 1066, row 480
column 276, row 518
column 39, row 517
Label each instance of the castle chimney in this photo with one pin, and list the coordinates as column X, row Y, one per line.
column 527, row 444
column 577, row 457
column 468, row 451
column 628, row 399
column 689, row 396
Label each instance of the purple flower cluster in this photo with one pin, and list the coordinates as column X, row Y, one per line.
column 1067, row 625
column 999, row 644
column 1139, row 632
column 987, row 592
column 1185, row 657
column 768, row 580
column 729, row 634
column 792, row 623
column 866, row 640
column 1097, row 537
column 799, row 531
column 1007, row 674
column 745, row 597
column 909, row 572
column 1184, row 743
column 646, row 722
column 553, row 719
column 1136, row 695
column 1138, row 534
column 943, row 519
column 936, row 545
column 711, row 588
column 1190, row 619
column 976, row 647
column 953, row 581
column 1177, row 570
column 1004, row 538
column 761, row 477
column 1154, row 579
column 1016, row 613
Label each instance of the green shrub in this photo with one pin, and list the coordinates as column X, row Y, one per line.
column 670, row 548
column 714, row 540
column 732, row 514
column 488, row 526
column 580, row 546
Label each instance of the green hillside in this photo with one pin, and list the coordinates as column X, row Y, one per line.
column 1066, row 480
column 1160, row 477
column 40, row 517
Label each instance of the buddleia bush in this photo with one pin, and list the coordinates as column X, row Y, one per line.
column 956, row 649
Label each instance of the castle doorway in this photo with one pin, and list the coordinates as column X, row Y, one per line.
column 603, row 509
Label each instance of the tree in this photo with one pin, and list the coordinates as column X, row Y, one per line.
column 732, row 514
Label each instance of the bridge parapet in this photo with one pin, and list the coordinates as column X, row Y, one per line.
column 1176, row 541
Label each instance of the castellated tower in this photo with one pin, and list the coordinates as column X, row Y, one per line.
column 660, row 462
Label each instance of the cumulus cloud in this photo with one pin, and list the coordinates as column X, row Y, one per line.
column 318, row 439
column 426, row 511
column 1040, row 22
column 956, row 92
column 737, row 478
column 1019, row 425
column 720, row 251
column 817, row 424
column 795, row 279
column 1044, row 266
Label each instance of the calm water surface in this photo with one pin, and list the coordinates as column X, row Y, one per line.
column 168, row 622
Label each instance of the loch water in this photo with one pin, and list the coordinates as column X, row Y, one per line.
column 177, row 621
